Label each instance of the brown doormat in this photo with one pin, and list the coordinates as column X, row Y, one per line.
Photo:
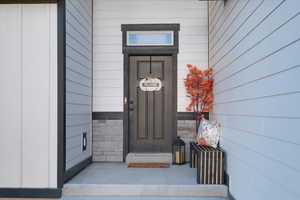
column 148, row 165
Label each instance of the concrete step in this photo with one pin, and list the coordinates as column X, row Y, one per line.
column 139, row 198
column 149, row 158
column 123, row 190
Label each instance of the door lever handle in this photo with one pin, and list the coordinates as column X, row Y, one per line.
column 131, row 106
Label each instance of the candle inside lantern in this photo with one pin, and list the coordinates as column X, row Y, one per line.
column 178, row 151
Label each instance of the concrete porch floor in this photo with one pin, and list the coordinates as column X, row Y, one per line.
column 139, row 198
column 118, row 173
column 100, row 180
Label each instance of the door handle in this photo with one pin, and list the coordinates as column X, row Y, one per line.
column 131, row 108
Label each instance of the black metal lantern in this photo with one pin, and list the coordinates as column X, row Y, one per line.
column 178, row 151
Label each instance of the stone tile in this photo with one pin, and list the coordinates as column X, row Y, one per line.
column 108, row 136
column 186, row 130
column 108, row 140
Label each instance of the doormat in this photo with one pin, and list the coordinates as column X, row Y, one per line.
column 148, row 165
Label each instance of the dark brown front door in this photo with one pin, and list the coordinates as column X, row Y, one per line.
column 150, row 112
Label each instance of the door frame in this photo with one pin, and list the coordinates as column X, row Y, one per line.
column 147, row 51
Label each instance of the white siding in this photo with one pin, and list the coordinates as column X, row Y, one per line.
column 28, row 103
column 108, row 57
column 254, row 50
column 78, row 79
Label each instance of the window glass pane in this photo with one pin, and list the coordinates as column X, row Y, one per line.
column 149, row 38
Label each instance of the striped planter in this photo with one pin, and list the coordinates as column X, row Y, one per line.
column 209, row 162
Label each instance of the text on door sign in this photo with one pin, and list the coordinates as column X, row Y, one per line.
column 150, row 84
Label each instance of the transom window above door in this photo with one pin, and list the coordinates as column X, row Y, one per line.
column 150, row 38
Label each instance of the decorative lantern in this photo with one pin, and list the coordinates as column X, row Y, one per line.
column 178, row 151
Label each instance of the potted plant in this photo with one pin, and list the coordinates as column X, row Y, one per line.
column 199, row 87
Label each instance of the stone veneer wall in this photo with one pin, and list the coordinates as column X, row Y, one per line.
column 186, row 130
column 108, row 140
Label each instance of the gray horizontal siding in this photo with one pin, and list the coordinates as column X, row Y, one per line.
column 254, row 50
column 78, row 79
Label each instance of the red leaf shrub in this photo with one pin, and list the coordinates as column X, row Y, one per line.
column 199, row 87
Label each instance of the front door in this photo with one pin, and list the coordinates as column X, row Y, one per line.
column 151, row 119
